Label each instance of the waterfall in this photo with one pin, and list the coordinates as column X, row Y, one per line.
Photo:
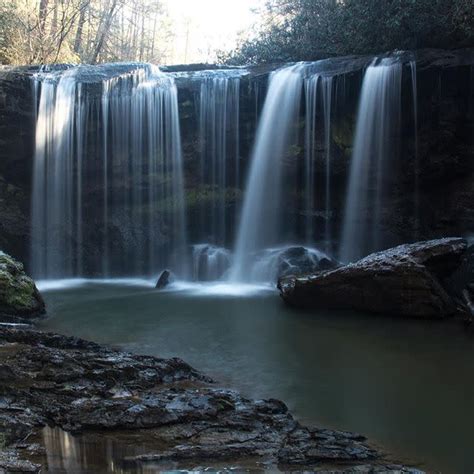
column 312, row 84
column 327, row 106
column 52, row 196
column 311, row 95
column 375, row 146
column 260, row 221
column 219, row 150
column 108, row 187
column 416, row 172
column 133, row 133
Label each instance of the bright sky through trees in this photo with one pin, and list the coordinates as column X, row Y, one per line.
column 203, row 26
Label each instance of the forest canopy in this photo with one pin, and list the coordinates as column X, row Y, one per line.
column 299, row 30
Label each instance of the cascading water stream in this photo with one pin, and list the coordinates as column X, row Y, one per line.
column 375, row 146
column 141, row 179
column 414, row 91
column 327, row 106
column 311, row 96
column 52, row 200
column 312, row 84
column 260, row 222
column 219, row 150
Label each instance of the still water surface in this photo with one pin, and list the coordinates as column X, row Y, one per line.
column 408, row 385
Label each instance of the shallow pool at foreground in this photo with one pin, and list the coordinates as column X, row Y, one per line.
column 408, row 385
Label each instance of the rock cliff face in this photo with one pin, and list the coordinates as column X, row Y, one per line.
column 443, row 157
column 408, row 280
column 17, row 132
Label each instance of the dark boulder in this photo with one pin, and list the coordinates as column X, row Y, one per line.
column 19, row 296
column 164, row 280
column 408, row 280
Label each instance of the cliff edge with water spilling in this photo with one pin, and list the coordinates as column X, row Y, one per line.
column 425, row 190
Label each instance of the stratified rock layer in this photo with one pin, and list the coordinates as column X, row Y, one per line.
column 406, row 280
column 18, row 293
column 79, row 386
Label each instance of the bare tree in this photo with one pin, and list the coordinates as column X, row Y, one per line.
column 104, row 27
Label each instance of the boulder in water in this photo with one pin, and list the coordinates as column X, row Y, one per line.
column 164, row 280
column 19, row 297
column 408, row 280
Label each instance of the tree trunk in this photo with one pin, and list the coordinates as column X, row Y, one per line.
column 103, row 31
column 80, row 26
column 142, row 38
column 43, row 13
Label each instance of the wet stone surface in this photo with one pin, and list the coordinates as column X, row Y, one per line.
column 408, row 280
column 80, row 387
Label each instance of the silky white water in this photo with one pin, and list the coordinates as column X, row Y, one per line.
column 219, row 151
column 260, row 224
column 375, row 146
column 135, row 133
column 109, row 191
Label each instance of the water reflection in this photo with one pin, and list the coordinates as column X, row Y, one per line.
column 107, row 453
column 71, row 454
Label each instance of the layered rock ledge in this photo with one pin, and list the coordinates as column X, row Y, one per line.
column 79, row 386
column 409, row 280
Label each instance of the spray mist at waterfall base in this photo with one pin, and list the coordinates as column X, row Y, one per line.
column 184, row 288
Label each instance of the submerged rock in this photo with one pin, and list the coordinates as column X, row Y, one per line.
column 301, row 260
column 210, row 262
column 19, row 296
column 407, row 280
column 78, row 386
column 164, row 280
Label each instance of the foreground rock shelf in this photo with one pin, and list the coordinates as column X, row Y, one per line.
column 79, row 386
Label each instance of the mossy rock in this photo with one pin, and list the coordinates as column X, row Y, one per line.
column 18, row 293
